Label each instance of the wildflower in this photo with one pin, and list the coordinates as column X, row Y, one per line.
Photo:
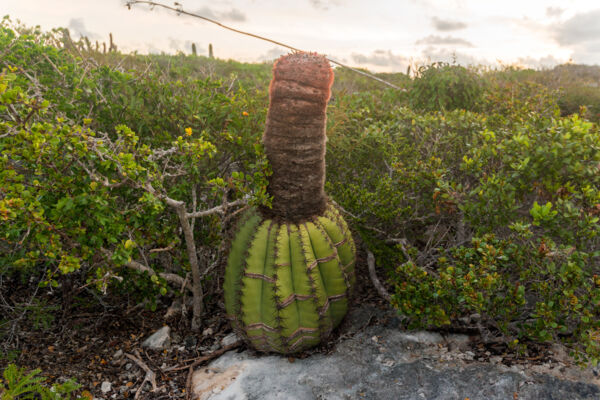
column 245, row 114
column 188, row 131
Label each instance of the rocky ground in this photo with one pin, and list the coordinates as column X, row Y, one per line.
column 117, row 348
column 374, row 359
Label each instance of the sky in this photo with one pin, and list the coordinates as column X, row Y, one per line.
column 381, row 35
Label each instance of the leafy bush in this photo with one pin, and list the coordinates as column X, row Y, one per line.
column 486, row 204
column 573, row 98
column 441, row 86
column 18, row 384
column 81, row 191
column 490, row 215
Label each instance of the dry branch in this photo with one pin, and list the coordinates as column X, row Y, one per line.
column 380, row 289
column 169, row 277
column 149, row 377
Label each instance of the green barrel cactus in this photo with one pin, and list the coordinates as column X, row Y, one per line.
column 291, row 267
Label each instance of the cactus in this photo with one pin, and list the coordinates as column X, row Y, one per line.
column 291, row 267
column 210, row 51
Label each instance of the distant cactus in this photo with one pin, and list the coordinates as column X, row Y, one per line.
column 291, row 268
column 194, row 49
column 88, row 44
column 210, row 51
column 113, row 46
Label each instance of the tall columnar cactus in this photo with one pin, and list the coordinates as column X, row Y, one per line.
column 291, row 267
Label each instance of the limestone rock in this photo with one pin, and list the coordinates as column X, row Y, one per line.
column 396, row 365
column 106, row 387
column 159, row 339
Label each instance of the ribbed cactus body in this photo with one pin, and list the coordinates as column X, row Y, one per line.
column 287, row 284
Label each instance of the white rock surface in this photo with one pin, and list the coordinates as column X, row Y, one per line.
column 381, row 362
column 106, row 387
column 229, row 339
column 159, row 339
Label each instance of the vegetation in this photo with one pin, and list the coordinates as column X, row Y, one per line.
column 18, row 384
column 480, row 199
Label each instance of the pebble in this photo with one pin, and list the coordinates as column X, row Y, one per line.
column 229, row 339
column 159, row 339
column 106, row 386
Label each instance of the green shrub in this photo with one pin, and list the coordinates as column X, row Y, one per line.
column 493, row 214
column 18, row 384
column 441, row 86
column 81, row 191
column 573, row 98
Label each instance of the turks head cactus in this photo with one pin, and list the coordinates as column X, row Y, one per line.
column 291, row 267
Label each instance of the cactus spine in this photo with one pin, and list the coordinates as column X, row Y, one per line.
column 291, row 267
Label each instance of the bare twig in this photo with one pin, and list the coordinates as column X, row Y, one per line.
column 161, row 249
column 180, row 10
column 207, row 357
column 169, row 277
column 380, row 289
column 53, row 65
column 149, row 377
column 215, row 210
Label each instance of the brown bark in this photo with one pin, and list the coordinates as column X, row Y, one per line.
column 295, row 136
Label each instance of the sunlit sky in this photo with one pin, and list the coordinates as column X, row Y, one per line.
column 382, row 35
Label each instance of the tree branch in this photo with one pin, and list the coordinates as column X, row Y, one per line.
column 215, row 210
column 380, row 289
column 169, row 277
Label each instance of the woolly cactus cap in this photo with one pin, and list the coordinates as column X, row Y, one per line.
column 295, row 136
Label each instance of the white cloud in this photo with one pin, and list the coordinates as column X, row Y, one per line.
column 581, row 34
column 447, row 25
column 448, row 40
column 382, row 58
column 273, row 54
column 77, row 27
column 232, row 14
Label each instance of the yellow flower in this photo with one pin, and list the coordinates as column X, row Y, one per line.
column 245, row 114
column 188, row 131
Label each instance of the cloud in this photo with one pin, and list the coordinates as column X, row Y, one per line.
column 554, row 11
column 448, row 40
column 548, row 61
column 324, row 4
column 183, row 45
column 445, row 25
column 232, row 15
column 432, row 54
column 273, row 54
column 578, row 29
column 580, row 34
column 382, row 58
column 77, row 26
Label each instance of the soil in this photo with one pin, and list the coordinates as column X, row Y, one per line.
column 82, row 342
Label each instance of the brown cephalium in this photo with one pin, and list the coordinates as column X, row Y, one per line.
column 295, row 136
